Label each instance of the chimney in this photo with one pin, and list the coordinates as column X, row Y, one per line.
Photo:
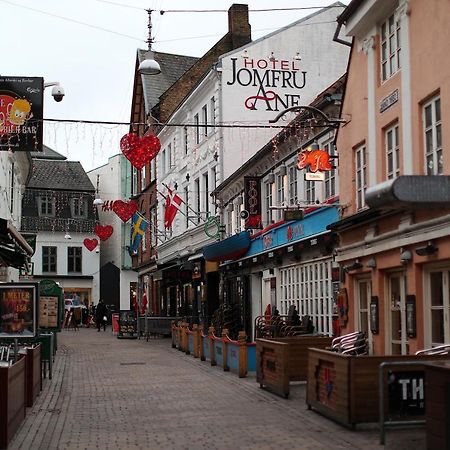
column 238, row 25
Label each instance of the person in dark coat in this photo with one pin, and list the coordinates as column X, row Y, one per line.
column 100, row 313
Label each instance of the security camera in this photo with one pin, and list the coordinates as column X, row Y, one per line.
column 97, row 250
column 58, row 93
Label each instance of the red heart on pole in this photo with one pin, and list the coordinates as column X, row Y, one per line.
column 139, row 150
column 103, row 232
column 90, row 244
column 125, row 209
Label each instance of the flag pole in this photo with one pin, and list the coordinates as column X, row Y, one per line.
column 182, row 201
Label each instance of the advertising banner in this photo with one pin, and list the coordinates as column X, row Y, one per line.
column 18, row 303
column 252, row 202
column 21, row 105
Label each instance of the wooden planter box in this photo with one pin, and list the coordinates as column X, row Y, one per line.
column 282, row 360
column 12, row 400
column 345, row 388
column 33, row 375
column 437, row 405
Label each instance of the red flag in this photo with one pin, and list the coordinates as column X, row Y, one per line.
column 144, row 303
column 173, row 202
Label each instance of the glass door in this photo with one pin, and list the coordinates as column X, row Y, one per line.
column 363, row 295
column 438, row 305
column 397, row 314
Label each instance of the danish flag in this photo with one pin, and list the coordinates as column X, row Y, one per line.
column 172, row 205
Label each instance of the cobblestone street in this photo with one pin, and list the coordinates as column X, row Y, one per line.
column 133, row 394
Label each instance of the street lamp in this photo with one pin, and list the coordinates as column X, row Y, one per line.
column 149, row 66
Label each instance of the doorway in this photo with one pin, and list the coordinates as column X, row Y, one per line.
column 398, row 339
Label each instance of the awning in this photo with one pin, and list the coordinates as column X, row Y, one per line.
column 14, row 249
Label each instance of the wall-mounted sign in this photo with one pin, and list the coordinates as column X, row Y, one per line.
column 374, row 315
column 314, row 176
column 252, row 202
column 406, row 394
column 21, row 101
column 315, row 159
column 18, row 309
column 275, row 82
column 293, row 214
column 388, row 101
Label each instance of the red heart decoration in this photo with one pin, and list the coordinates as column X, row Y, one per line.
column 139, row 150
column 125, row 209
column 103, row 232
column 90, row 244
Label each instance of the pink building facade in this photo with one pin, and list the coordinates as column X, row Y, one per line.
column 395, row 261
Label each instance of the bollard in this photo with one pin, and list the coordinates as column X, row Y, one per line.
column 195, row 339
column 212, row 350
column 242, row 339
column 226, row 367
column 180, row 336
column 186, row 339
column 200, row 345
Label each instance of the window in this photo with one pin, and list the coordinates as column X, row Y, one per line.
column 48, row 259
column 205, row 120
column 163, row 162
column 213, row 111
column 310, row 191
column 186, row 205
column 152, row 169
column 197, row 198
column 280, row 195
column 185, row 139
column 134, row 188
column 433, row 136
column 330, row 175
column 268, row 192
column 79, row 207
column 197, row 129
column 390, row 47
column 143, row 178
column 144, row 241
column 230, row 219
column 153, row 228
column 169, row 157
column 214, row 181
column 47, row 206
column 293, row 189
column 438, row 307
column 360, row 172
column 391, row 144
column 73, row 259
column 206, row 192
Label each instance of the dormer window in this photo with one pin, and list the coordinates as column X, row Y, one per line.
column 78, row 207
column 46, row 205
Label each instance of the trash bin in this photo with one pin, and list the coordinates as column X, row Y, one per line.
column 115, row 323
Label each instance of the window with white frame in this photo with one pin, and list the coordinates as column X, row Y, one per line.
column 169, row 157
column 390, row 47
column 237, row 218
column 213, row 112
column 143, row 180
column 360, row 174
column 308, row 288
column 433, row 136
column 280, row 195
column 268, row 201
column 197, row 199
column 437, row 303
column 153, row 228
column 206, row 193
column 48, row 259
column 392, row 147
column 205, row 120
column 152, row 169
column 186, row 140
column 144, row 241
column 74, row 259
column 310, row 191
column 330, row 175
column 79, row 207
column 197, row 129
column 186, row 205
column 46, row 205
column 163, row 162
column 293, row 188
column 134, row 181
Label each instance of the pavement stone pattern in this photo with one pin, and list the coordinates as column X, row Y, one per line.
column 125, row 394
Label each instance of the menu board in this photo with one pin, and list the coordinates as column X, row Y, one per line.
column 48, row 311
column 18, row 309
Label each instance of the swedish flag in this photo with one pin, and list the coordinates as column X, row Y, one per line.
column 138, row 226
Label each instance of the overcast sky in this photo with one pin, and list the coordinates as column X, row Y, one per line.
column 96, row 67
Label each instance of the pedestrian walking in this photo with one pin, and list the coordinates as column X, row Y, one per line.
column 100, row 315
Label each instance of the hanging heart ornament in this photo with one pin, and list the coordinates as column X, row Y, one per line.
column 103, row 232
column 125, row 210
column 139, row 150
column 90, row 244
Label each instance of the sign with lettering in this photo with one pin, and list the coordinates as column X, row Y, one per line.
column 388, row 101
column 406, row 393
column 252, row 202
column 18, row 309
column 21, row 100
column 276, row 83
